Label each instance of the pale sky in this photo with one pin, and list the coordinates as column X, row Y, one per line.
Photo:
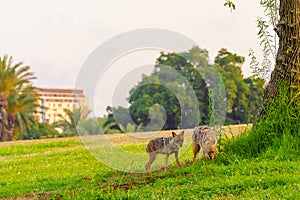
column 56, row 37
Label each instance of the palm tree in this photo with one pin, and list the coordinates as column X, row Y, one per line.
column 6, row 85
column 89, row 127
column 13, row 77
column 72, row 119
column 106, row 126
column 21, row 106
column 95, row 126
column 130, row 128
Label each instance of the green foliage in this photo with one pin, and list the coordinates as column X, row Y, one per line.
column 276, row 135
column 271, row 9
column 77, row 122
column 152, row 94
column 89, row 127
column 70, row 122
column 178, row 87
column 120, row 116
column 130, row 128
column 254, row 97
column 196, row 56
column 107, row 126
column 268, row 40
column 230, row 4
column 22, row 105
column 243, row 96
column 227, row 59
column 39, row 131
column 171, row 96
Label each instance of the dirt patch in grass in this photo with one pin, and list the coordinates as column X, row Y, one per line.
column 127, row 183
column 32, row 196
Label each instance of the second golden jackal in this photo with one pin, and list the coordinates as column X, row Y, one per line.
column 204, row 137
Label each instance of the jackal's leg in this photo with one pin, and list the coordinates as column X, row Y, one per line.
column 196, row 149
column 152, row 157
column 205, row 155
column 166, row 162
column 176, row 157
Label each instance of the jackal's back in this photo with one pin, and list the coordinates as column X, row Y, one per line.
column 158, row 144
column 204, row 133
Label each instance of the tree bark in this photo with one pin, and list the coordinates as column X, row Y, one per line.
column 11, row 125
column 287, row 68
column 3, row 106
column 3, row 125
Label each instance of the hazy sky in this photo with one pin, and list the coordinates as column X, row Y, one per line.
column 55, row 37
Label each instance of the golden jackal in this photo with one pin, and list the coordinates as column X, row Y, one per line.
column 206, row 138
column 166, row 146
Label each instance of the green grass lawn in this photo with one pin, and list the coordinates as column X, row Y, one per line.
column 64, row 169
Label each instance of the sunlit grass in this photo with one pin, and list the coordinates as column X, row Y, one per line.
column 64, row 169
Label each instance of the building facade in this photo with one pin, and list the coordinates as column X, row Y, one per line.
column 53, row 101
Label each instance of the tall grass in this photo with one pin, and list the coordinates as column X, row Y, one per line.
column 276, row 135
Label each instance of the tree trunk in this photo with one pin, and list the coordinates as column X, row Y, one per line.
column 3, row 106
column 287, row 68
column 11, row 125
column 4, row 123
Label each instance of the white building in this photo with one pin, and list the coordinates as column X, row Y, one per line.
column 53, row 101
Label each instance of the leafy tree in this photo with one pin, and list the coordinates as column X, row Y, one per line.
column 227, row 59
column 194, row 61
column 148, row 95
column 166, row 96
column 173, row 84
column 236, row 89
column 197, row 56
column 120, row 116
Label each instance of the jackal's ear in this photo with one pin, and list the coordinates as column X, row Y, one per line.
column 174, row 134
column 182, row 133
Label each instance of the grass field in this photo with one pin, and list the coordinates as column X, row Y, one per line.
column 65, row 169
